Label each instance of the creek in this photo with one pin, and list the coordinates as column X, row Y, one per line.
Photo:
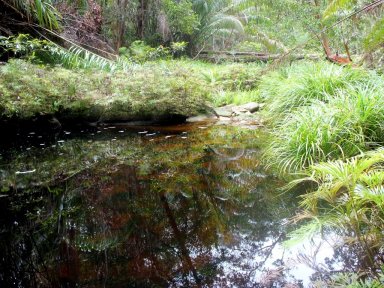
column 119, row 206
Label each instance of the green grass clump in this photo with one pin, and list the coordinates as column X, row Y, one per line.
column 228, row 83
column 312, row 134
column 222, row 98
column 342, row 125
column 222, row 77
column 300, row 84
column 29, row 90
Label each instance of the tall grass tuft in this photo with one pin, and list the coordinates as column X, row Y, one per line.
column 338, row 121
column 315, row 133
column 300, row 84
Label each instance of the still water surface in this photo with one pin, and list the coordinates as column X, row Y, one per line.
column 181, row 206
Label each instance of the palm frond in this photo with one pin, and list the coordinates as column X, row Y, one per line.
column 337, row 5
column 41, row 11
column 78, row 57
column 226, row 21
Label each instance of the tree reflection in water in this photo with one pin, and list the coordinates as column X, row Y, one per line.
column 149, row 212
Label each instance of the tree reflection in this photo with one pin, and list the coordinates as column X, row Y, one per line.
column 195, row 213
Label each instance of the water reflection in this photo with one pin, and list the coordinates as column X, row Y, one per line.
column 192, row 210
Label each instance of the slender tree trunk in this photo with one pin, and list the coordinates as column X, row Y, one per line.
column 120, row 25
column 323, row 36
column 141, row 18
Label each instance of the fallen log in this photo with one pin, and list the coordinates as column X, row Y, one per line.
column 250, row 56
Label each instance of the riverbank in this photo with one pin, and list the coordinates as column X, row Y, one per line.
column 159, row 92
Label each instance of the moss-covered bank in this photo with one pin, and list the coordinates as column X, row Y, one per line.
column 30, row 91
column 169, row 90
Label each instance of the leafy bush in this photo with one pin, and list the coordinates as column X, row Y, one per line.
column 46, row 52
column 181, row 18
column 141, row 52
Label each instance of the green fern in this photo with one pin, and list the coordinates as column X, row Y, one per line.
column 349, row 198
column 48, row 52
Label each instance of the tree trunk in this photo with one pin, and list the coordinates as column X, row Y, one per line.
column 323, row 36
column 120, row 25
column 141, row 19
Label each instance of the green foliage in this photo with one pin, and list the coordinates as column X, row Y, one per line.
column 233, row 77
column 178, row 48
column 140, row 52
column 336, row 5
column 375, row 38
column 181, row 17
column 78, row 57
column 231, row 83
column 311, row 134
column 22, row 45
column 348, row 200
column 226, row 97
column 41, row 11
column 217, row 20
column 351, row 280
column 44, row 51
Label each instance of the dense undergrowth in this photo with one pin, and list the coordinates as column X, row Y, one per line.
column 327, row 124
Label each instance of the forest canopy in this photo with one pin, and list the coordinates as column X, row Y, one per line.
column 148, row 29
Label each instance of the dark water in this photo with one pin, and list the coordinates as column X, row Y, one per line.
column 183, row 206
